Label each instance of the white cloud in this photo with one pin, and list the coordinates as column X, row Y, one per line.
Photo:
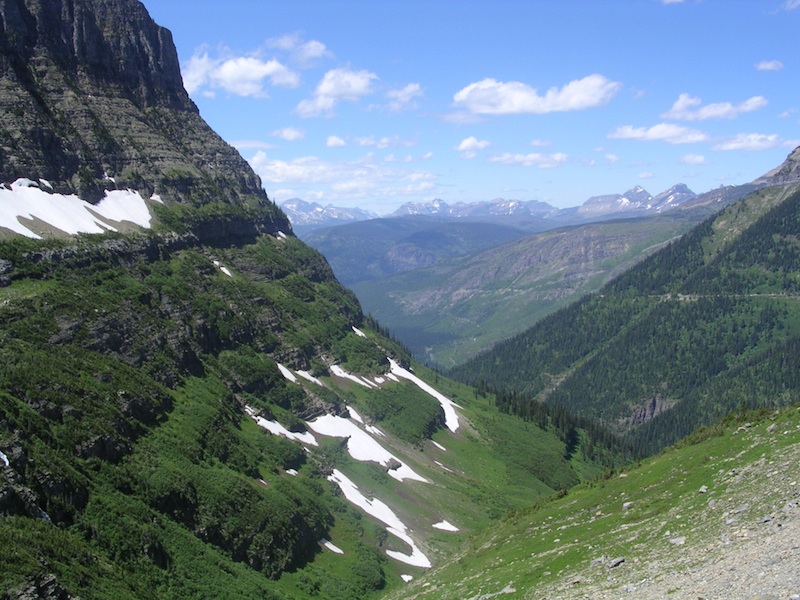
column 241, row 75
column 749, row 141
column 769, row 65
column 336, row 84
column 646, row 175
column 300, row 52
column 469, row 146
column 687, row 108
column 612, row 158
column 403, row 99
column 290, row 134
column 492, row 97
column 541, row 143
column 792, row 4
column 693, row 159
column 383, row 142
column 334, row 141
column 342, row 180
column 665, row 132
column 671, row 1
column 542, row 161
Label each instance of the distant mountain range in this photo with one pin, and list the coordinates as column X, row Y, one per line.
column 307, row 216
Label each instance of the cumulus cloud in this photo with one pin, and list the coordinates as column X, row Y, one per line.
column 303, row 53
column 749, row 141
column 688, row 108
column 693, row 159
column 492, row 97
column 403, row 99
column 334, row 141
column 238, row 75
column 469, row 146
column 769, row 65
column 542, row 161
column 664, row 132
column 336, row 84
column 290, row 134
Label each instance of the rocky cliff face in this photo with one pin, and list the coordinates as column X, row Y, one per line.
column 91, row 99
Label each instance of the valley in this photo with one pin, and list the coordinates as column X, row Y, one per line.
column 463, row 400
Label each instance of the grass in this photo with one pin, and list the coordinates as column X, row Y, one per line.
column 540, row 551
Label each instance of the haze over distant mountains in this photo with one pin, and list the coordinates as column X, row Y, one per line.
column 307, row 216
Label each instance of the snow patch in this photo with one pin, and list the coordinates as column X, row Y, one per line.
column 281, row 235
column 292, row 472
column 358, row 332
column 353, row 414
column 287, row 373
column 331, row 547
column 379, row 510
column 407, row 578
column 445, row 526
column 361, row 445
column 439, row 446
column 441, row 465
column 68, row 213
column 450, row 415
column 340, row 372
column 4, row 458
column 276, row 428
column 309, row 377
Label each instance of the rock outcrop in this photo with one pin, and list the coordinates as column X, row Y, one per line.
column 91, row 99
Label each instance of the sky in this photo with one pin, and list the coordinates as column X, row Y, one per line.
column 376, row 103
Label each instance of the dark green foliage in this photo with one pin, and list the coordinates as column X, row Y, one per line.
column 123, row 378
column 707, row 323
column 406, row 411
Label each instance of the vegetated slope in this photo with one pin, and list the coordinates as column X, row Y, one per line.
column 700, row 327
column 201, row 409
column 448, row 312
column 717, row 517
column 133, row 387
column 379, row 247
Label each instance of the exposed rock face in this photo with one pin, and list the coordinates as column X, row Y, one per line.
column 788, row 172
column 91, row 98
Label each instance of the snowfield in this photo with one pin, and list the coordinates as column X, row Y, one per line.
column 362, row 446
column 384, row 514
column 25, row 199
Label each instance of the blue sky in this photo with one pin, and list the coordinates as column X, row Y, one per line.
column 377, row 103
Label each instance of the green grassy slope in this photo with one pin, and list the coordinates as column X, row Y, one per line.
column 135, row 470
column 683, row 521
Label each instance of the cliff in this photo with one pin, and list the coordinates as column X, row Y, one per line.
column 91, row 99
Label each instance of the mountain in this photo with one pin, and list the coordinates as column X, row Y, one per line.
column 380, row 247
column 191, row 405
column 702, row 326
column 449, row 311
column 636, row 199
column 496, row 207
column 308, row 216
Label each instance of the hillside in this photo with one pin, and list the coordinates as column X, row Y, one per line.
column 704, row 325
column 718, row 517
column 191, row 405
column 381, row 247
column 448, row 312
